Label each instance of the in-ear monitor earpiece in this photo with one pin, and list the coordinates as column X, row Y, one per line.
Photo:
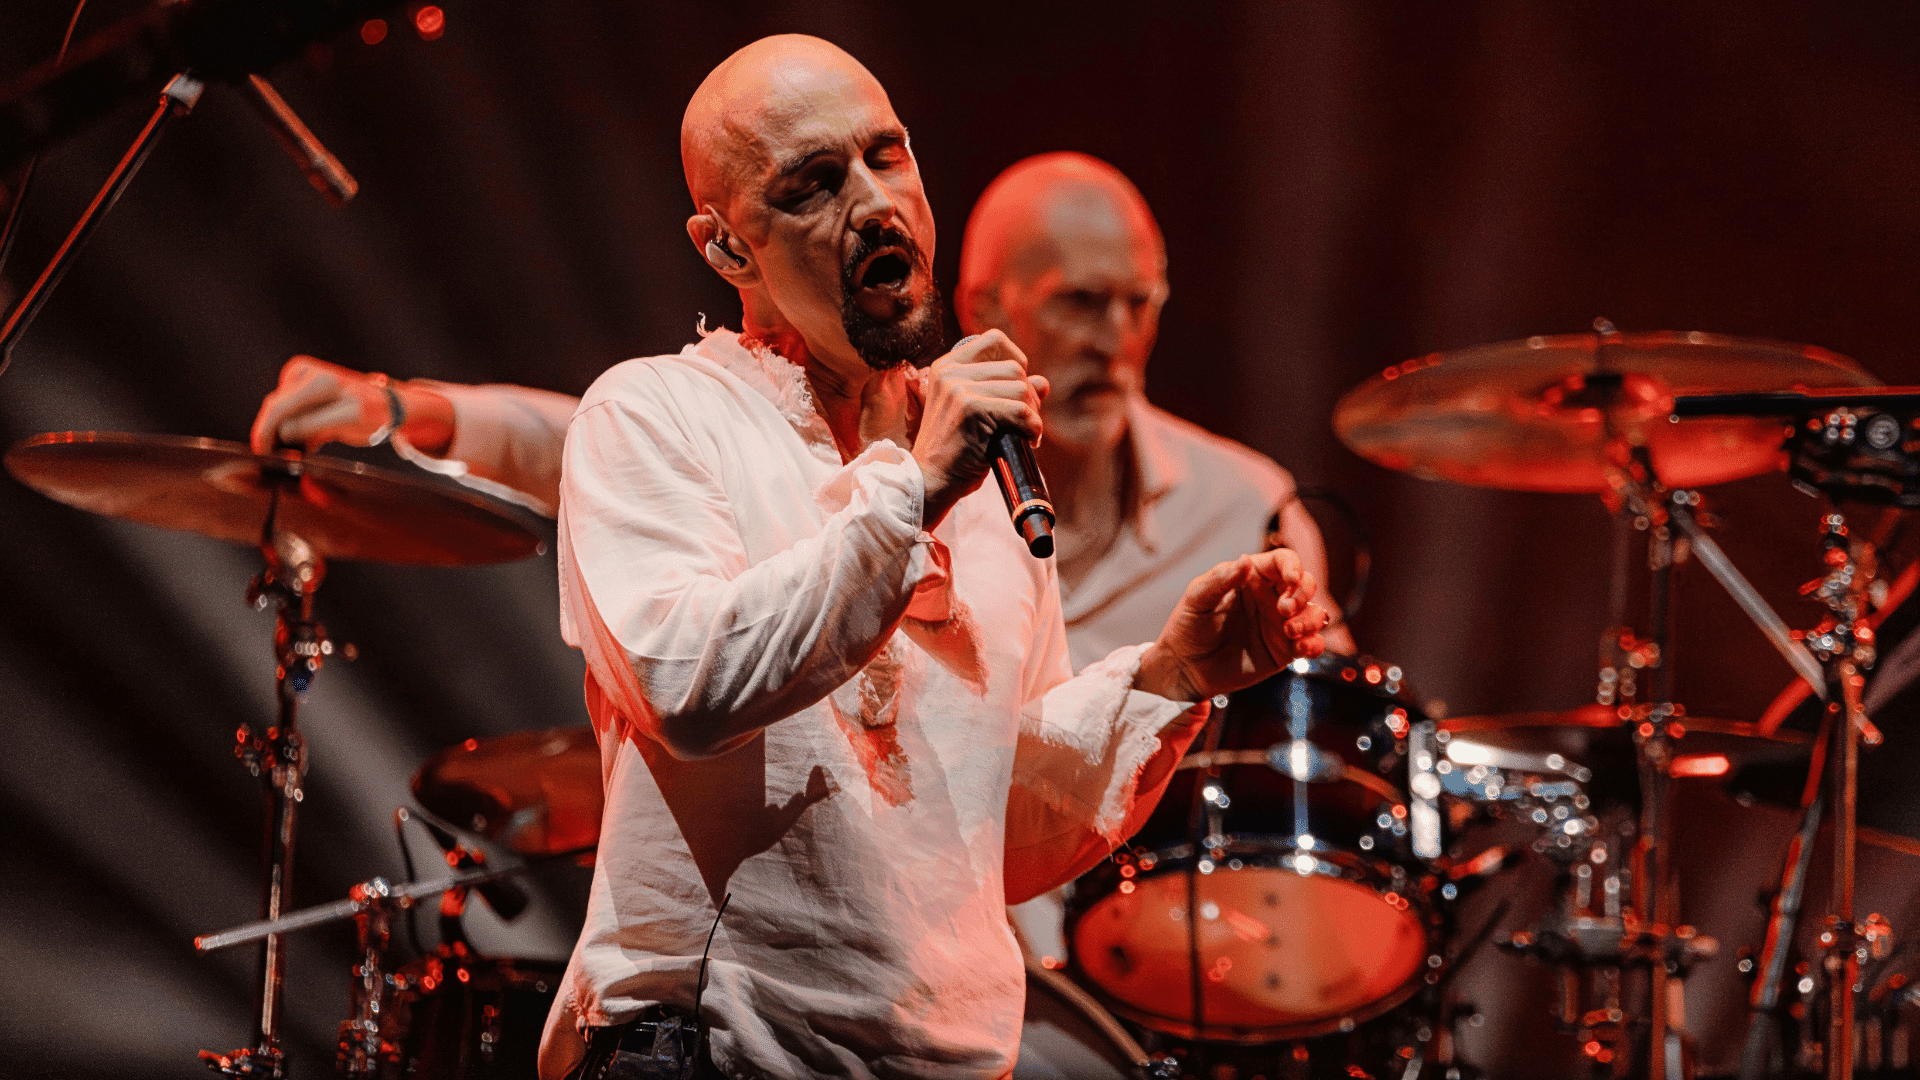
column 722, row 256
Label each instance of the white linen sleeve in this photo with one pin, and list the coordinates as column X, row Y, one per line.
column 692, row 644
column 506, row 442
column 1094, row 756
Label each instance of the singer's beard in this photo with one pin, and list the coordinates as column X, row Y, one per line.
column 918, row 339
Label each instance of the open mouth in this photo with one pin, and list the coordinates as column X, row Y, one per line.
column 886, row 269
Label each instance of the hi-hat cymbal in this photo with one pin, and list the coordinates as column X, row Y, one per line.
column 1551, row 413
column 1594, row 738
column 343, row 509
column 537, row 792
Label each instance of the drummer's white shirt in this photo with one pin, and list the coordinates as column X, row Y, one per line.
column 912, row 735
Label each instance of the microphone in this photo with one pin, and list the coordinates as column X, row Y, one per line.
column 1025, row 491
column 1021, row 484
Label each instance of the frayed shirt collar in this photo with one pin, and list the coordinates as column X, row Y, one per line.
column 774, row 377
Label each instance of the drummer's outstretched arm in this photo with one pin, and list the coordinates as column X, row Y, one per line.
column 500, row 438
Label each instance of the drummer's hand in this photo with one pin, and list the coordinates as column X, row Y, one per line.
column 1237, row 624
column 317, row 403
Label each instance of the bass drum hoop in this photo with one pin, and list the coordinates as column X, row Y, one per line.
column 1269, row 853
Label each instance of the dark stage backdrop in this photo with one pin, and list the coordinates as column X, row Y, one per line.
column 1342, row 186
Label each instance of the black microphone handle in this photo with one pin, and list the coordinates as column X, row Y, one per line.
column 1025, row 491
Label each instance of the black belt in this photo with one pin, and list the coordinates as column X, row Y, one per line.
column 659, row 1044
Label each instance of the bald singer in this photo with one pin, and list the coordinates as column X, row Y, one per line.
column 839, row 728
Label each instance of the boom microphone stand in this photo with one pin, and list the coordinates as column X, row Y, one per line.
column 229, row 38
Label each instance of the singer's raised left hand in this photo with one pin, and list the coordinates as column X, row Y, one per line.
column 973, row 391
column 1237, row 624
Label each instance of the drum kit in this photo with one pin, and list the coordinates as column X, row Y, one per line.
column 1296, row 905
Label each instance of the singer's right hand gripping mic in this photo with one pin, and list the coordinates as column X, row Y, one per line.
column 1023, row 487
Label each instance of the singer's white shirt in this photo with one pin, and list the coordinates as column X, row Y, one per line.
column 906, row 736
column 1200, row 499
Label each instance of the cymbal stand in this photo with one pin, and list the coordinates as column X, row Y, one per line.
column 1845, row 644
column 277, row 757
column 1662, row 945
column 1847, row 647
column 1669, row 517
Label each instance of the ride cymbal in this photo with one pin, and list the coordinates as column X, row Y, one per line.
column 343, row 509
column 1551, row 414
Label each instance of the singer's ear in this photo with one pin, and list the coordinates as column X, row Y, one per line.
column 721, row 250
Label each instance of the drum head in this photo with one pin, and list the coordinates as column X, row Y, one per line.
column 1282, row 953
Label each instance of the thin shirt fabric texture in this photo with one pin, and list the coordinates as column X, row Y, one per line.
column 865, row 734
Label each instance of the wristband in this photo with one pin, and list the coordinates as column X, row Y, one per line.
column 396, row 412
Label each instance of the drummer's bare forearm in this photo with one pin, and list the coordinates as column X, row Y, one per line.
column 429, row 424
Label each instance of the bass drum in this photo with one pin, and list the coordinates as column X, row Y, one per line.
column 464, row 1018
column 1287, row 830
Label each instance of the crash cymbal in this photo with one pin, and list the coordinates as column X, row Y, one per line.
column 343, row 509
column 537, row 792
column 1550, row 413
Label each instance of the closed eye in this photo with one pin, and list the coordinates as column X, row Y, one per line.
column 819, row 177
